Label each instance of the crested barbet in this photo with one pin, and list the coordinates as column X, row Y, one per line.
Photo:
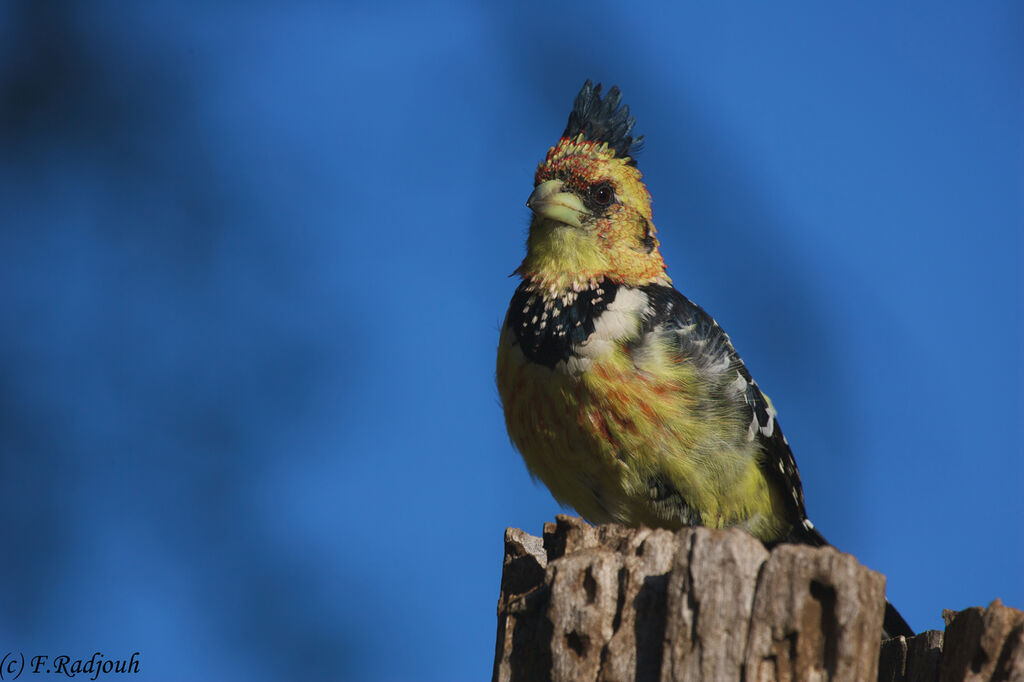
column 625, row 398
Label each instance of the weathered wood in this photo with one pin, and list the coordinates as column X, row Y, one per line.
column 911, row 660
column 983, row 644
column 523, row 650
column 612, row 603
column 817, row 615
column 708, row 604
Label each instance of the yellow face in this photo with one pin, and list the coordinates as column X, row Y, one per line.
column 592, row 220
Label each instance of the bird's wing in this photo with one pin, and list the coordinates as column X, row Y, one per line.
column 700, row 340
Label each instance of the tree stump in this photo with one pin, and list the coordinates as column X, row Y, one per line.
column 614, row 603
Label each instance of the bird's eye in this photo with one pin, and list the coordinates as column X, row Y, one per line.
column 603, row 194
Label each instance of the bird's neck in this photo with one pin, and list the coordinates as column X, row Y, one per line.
column 560, row 258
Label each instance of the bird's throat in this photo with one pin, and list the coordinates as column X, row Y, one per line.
column 562, row 258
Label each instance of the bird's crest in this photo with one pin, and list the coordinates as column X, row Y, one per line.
column 603, row 121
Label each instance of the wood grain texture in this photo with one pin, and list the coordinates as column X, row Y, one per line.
column 612, row 603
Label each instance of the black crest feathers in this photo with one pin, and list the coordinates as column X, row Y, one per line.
column 603, row 121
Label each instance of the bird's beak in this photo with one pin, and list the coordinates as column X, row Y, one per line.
column 549, row 201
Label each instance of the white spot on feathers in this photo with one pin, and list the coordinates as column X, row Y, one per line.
column 618, row 321
column 752, row 429
column 720, row 366
column 574, row 366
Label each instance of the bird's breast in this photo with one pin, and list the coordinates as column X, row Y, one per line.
column 570, row 393
column 566, row 331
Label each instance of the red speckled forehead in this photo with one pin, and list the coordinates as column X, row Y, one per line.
column 581, row 163
column 576, row 162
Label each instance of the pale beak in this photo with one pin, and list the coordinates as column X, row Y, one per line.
column 549, row 201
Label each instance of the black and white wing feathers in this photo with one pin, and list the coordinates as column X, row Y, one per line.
column 702, row 341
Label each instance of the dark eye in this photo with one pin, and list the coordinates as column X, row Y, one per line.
column 603, row 194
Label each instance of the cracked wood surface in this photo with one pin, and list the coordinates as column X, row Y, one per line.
column 614, row 603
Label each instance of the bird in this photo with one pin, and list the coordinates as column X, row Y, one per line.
column 625, row 398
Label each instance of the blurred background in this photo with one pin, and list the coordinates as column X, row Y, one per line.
column 254, row 262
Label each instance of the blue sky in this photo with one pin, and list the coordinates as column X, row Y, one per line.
column 255, row 261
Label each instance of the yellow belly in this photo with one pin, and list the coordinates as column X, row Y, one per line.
column 596, row 438
column 552, row 420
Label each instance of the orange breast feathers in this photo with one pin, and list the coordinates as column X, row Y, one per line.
column 588, row 436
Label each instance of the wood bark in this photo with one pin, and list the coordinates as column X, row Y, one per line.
column 613, row 603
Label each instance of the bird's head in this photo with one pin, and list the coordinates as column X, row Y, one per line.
column 591, row 210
